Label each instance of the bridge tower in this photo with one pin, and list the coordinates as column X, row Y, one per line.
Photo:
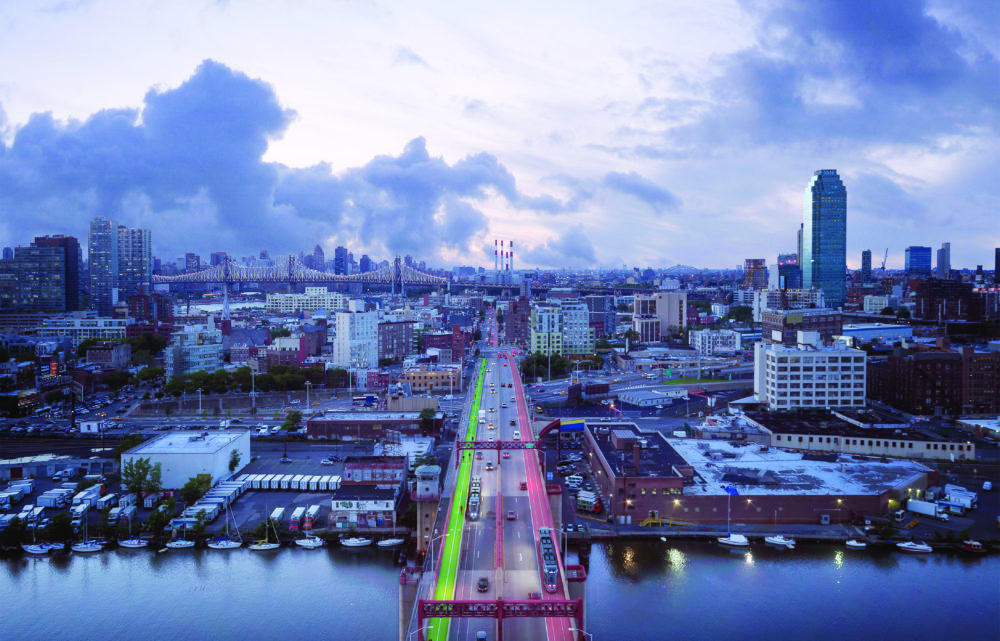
column 427, row 495
column 397, row 277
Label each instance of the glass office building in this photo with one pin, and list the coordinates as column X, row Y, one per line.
column 918, row 261
column 135, row 262
column 102, row 259
column 824, row 237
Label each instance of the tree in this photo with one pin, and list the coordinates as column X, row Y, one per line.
column 424, row 459
column 292, row 421
column 81, row 349
column 427, row 419
column 887, row 311
column 477, row 335
column 14, row 534
column 141, row 475
column 632, row 336
column 159, row 519
column 283, row 332
column 200, row 524
column 902, row 313
column 741, row 314
column 234, row 460
column 147, row 374
column 60, row 528
column 195, row 488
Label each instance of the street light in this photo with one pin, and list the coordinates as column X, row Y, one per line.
column 308, row 385
column 199, row 400
column 583, row 632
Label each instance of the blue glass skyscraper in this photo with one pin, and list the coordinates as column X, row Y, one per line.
column 824, row 237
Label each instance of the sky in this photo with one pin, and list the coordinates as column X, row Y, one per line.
column 590, row 134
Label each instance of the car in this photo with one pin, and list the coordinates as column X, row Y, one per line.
column 534, row 596
column 489, row 466
column 479, row 456
column 490, row 439
column 326, row 461
column 491, row 426
column 285, row 459
column 513, row 400
column 513, row 422
column 483, row 584
column 295, row 402
column 524, row 485
column 511, row 515
column 507, row 455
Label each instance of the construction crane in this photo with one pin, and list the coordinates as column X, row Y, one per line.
column 885, row 258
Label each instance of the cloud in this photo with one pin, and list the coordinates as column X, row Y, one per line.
column 830, row 72
column 407, row 56
column 644, row 189
column 189, row 166
column 879, row 198
column 571, row 248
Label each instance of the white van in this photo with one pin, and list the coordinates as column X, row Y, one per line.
column 517, row 435
column 574, row 480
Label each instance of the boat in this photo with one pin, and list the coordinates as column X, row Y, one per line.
column 973, row 547
column 227, row 543
column 87, row 546
column 915, row 547
column 355, row 542
column 179, row 544
column 133, row 543
column 390, row 543
column 854, row 544
column 40, row 548
column 780, row 541
column 734, row 540
column 310, row 542
column 264, row 544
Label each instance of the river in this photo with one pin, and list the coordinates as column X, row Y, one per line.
column 636, row 590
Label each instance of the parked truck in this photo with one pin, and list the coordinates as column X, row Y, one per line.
column 967, row 500
column 78, row 513
column 927, row 509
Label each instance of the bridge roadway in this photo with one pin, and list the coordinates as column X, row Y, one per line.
column 514, row 574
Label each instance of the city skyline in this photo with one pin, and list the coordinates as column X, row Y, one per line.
column 701, row 140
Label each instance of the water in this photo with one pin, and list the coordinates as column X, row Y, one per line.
column 636, row 590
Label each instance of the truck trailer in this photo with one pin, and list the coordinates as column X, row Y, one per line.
column 927, row 509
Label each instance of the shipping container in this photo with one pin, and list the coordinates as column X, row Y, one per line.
column 312, row 514
column 278, row 516
column 297, row 517
column 107, row 501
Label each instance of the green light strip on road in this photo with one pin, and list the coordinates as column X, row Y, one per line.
column 448, row 574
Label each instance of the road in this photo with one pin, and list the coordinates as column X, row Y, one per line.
column 513, row 574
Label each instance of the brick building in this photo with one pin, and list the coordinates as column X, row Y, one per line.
column 396, row 339
column 945, row 300
column 455, row 340
column 110, row 354
column 517, row 322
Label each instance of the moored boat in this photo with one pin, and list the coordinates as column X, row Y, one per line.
column 355, row 542
column 390, row 543
column 179, row 544
column 87, row 547
column 973, row 547
column 915, row 547
column 133, row 543
column 780, row 541
column 264, row 545
column 39, row 548
column 854, row 544
column 225, row 544
column 734, row 540
column 310, row 542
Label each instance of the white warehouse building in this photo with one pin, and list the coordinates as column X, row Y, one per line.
column 182, row 455
column 809, row 376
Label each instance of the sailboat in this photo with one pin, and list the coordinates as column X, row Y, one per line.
column 310, row 542
column 132, row 542
column 227, row 543
column 86, row 546
column 181, row 543
column 732, row 540
column 264, row 545
column 39, row 548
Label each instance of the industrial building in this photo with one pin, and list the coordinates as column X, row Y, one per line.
column 183, row 455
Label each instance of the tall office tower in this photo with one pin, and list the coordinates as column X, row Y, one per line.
column 264, row 255
column 319, row 259
column 135, row 262
column 944, row 261
column 216, row 258
column 340, row 260
column 755, row 273
column 866, row 266
column 789, row 274
column 996, row 266
column 8, row 253
column 102, row 260
column 798, row 251
column 918, row 261
column 192, row 262
column 40, row 274
column 366, row 264
column 824, row 237
column 73, row 267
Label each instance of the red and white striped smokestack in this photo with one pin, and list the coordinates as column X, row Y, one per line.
column 510, row 257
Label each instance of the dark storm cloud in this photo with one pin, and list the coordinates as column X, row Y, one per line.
column 189, row 166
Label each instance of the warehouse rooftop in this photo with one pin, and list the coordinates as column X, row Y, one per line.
column 187, row 443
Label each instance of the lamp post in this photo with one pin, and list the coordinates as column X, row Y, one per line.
column 253, row 393
column 308, row 385
column 199, row 400
column 585, row 634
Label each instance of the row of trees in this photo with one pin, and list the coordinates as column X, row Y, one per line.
column 280, row 378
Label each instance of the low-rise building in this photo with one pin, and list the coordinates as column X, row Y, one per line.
column 80, row 326
column 782, row 326
column 193, row 348
column 709, row 342
column 314, row 299
column 434, row 379
column 787, row 299
column 363, row 507
column 366, row 426
column 874, row 304
column 110, row 354
column 184, row 455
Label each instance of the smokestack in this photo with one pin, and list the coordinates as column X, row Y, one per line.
column 636, row 455
column 496, row 265
column 512, row 255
